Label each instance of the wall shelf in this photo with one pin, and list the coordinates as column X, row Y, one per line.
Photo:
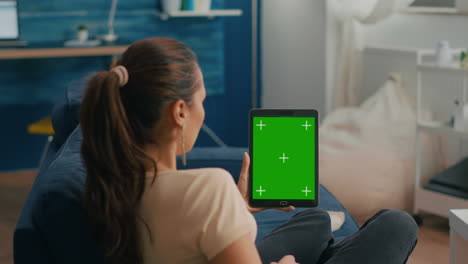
column 209, row 14
column 424, row 199
column 437, row 203
column 50, row 52
column 434, row 10
column 440, row 128
column 428, row 67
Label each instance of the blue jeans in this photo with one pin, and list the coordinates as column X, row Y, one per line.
column 388, row 237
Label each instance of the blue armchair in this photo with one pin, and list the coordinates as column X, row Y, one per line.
column 52, row 227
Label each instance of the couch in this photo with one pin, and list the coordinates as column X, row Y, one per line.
column 52, row 227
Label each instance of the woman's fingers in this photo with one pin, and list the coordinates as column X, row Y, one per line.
column 259, row 209
column 244, row 175
column 286, row 209
column 245, row 166
column 288, row 259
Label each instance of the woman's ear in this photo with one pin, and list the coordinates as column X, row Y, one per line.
column 179, row 112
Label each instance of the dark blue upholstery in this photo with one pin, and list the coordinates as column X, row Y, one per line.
column 65, row 114
column 52, row 227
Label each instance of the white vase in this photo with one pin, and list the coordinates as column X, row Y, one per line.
column 82, row 35
column 465, row 117
column 171, row 6
column 444, row 54
column 203, row 5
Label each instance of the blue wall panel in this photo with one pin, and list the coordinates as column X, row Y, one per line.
column 29, row 87
column 238, row 72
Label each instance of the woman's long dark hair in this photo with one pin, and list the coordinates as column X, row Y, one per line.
column 117, row 123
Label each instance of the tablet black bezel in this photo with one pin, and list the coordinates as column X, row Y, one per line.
column 282, row 113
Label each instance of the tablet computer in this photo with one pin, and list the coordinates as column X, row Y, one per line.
column 283, row 146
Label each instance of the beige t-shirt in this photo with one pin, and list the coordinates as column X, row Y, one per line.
column 193, row 215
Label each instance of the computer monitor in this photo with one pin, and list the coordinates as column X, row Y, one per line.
column 9, row 26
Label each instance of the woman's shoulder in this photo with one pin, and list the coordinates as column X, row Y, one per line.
column 208, row 174
column 209, row 181
column 197, row 180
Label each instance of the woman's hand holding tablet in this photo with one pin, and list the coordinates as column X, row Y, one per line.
column 242, row 184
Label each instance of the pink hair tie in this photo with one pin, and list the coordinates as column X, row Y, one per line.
column 122, row 73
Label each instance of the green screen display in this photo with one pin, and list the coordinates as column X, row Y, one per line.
column 283, row 158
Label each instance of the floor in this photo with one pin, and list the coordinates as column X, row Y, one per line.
column 14, row 189
column 433, row 246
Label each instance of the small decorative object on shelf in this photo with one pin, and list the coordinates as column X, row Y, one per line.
column 82, row 38
column 464, row 60
column 443, row 54
column 458, row 118
column 111, row 36
column 82, row 33
column 203, row 5
column 171, row 6
column 188, row 5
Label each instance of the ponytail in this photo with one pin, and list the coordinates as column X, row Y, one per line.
column 116, row 167
column 118, row 116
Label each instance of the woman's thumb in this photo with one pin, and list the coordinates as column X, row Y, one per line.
column 288, row 259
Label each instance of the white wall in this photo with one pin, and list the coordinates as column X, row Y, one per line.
column 293, row 54
column 332, row 34
column 405, row 30
column 419, row 31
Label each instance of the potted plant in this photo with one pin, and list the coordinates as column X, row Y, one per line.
column 82, row 33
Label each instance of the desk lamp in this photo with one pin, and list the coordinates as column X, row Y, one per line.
column 110, row 36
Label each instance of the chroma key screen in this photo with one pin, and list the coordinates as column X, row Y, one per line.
column 283, row 158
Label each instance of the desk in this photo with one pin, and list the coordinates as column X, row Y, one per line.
column 53, row 51
column 458, row 235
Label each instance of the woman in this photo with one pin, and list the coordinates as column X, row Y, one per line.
column 135, row 120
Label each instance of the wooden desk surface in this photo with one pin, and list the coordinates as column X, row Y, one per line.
column 50, row 52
